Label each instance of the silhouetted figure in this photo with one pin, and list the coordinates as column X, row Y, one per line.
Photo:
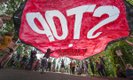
column 98, row 67
column 62, row 65
column 47, row 54
column 85, row 64
column 32, row 59
column 102, row 60
column 102, row 64
column 44, row 64
column 129, row 71
column 24, row 61
column 49, row 65
column 120, row 72
column 73, row 67
column 92, row 66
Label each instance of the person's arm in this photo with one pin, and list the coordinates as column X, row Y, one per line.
column 51, row 51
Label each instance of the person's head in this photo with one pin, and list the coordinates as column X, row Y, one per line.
column 100, row 57
column 129, row 66
column 48, row 50
column 33, row 52
column 97, row 62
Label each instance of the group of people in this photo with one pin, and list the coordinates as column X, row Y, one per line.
column 8, row 46
column 47, row 64
column 95, row 67
column 30, row 62
column 125, row 73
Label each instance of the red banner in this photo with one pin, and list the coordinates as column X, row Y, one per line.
column 73, row 28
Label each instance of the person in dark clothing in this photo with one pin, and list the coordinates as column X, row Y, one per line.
column 85, row 65
column 98, row 67
column 24, row 61
column 129, row 71
column 73, row 67
column 102, row 60
column 92, row 66
column 102, row 70
column 47, row 54
column 44, row 64
column 102, row 65
column 49, row 65
column 62, row 66
column 32, row 59
column 37, row 65
column 120, row 72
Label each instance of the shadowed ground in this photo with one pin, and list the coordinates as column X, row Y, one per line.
column 10, row 74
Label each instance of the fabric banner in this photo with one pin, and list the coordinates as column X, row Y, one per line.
column 73, row 28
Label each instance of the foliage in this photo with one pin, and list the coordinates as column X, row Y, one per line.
column 9, row 8
column 111, row 58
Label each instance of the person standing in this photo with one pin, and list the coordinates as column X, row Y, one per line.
column 92, row 67
column 102, row 65
column 129, row 71
column 86, row 67
column 78, row 70
column 53, row 65
column 120, row 72
column 98, row 67
column 44, row 64
column 73, row 67
column 32, row 59
column 49, row 65
column 62, row 65
column 48, row 53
